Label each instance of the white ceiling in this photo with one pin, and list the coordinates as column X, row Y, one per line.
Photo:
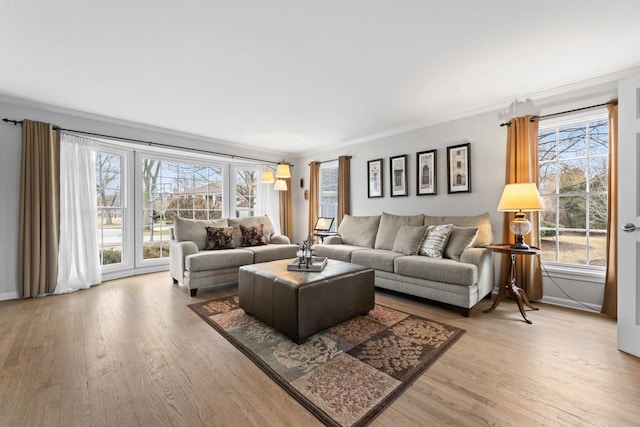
column 292, row 75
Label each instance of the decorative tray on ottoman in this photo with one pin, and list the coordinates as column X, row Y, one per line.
column 316, row 264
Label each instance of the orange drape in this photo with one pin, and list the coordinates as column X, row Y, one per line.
column 522, row 166
column 610, row 298
column 286, row 220
column 314, row 202
column 344, row 187
column 39, row 209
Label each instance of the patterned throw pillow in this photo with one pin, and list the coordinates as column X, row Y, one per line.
column 253, row 235
column 219, row 238
column 435, row 241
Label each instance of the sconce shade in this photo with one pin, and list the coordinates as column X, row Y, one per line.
column 280, row 185
column 283, row 171
column 520, row 197
column 267, row 177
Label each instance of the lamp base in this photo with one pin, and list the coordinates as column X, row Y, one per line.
column 520, row 244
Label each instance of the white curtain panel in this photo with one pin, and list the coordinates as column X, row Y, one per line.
column 78, row 257
column 268, row 199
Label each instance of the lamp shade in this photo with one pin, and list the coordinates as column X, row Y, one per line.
column 283, row 171
column 280, row 185
column 267, row 177
column 520, row 197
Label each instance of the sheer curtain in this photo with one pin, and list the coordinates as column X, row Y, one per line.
column 270, row 202
column 78, row 257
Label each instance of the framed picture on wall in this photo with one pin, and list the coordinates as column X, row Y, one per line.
column 426, row 173
column 459, row 168
column 374, row 178
column 399, row 176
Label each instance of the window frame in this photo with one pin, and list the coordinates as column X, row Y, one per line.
column 585, row 272
column 332, row 164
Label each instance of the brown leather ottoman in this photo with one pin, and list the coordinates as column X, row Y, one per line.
column 300, row 304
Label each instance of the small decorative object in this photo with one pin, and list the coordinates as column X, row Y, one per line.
column 374, row 178
column 307, row 260
column 399, row 176
column 459, row 168
column 520, row 198
column 426, row 172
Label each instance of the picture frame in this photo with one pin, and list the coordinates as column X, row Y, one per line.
column 375, row 179
column 459, row 168
column 398, row 177
column 427, row 173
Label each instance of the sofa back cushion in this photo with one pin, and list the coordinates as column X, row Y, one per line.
column 482, row 222
column 390, row 225
column 251, row 221
column 409, row 238
column 359, row 230
column 194, row 230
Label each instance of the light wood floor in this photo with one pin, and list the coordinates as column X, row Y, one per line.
column 129, row 352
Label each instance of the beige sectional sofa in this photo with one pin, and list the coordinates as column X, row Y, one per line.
column 390, row 243
column 197, row 267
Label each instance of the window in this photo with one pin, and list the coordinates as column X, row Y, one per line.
column 573, row 176
column 175, row 188
column 246, row 186
column 329, row 192
column 111, row 221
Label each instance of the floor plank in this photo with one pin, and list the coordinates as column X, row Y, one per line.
column 130, row 352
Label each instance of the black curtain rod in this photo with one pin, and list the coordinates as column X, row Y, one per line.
column 533, row 119
column 330, row 160
column 151, row 143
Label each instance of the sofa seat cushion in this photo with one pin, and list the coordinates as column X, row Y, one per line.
column 378, row 259
column 437, row 270
column 272, row 252
column 336, row 251
column 215, row 260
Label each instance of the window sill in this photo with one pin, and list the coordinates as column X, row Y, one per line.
column 570, row 272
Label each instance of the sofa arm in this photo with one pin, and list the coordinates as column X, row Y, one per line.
column 280, row 239
column 178, row 252
column 332, row 240
column 483, row 259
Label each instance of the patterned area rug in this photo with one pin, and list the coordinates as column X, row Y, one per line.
column 347, row 374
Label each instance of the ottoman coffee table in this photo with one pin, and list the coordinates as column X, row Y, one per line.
column 300, row 303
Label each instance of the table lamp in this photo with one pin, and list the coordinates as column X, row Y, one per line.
column 520, row 198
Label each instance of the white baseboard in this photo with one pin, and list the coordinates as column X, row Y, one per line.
column 563, row 302
column 9, row 295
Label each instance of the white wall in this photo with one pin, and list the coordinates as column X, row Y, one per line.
column 488, row 163
column 11, row 136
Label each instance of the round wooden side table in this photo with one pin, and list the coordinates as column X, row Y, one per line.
column 511, row 288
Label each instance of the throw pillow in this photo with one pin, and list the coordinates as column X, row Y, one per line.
column 252, row 235
column 460, row 239
column 435, row 241
column 219, row 238
column 408, row 239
